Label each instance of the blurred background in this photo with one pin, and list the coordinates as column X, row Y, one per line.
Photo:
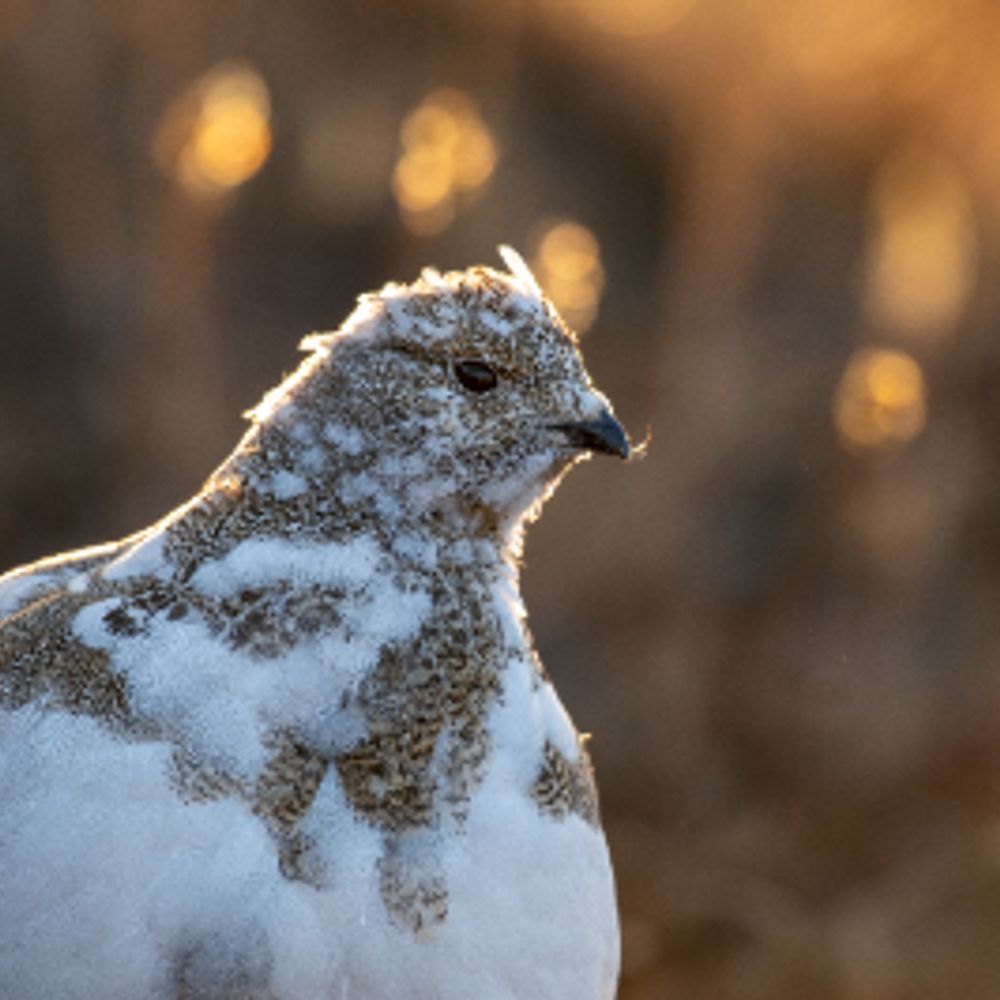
column 776, row 224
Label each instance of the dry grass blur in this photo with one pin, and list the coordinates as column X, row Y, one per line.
column 780, row 221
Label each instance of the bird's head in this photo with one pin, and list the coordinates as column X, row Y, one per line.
column 463, row 394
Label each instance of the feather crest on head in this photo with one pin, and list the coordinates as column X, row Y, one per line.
column 520, row 271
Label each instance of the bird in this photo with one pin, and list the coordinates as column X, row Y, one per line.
column 293, row 740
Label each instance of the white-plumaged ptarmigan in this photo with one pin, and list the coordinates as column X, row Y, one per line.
column 293, row 741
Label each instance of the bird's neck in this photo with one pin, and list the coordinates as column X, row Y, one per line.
column 287, row 485
column 269, row 489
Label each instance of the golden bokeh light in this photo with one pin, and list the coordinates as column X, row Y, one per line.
column 423, row 179
column 881, row 399
column 448, row 154
column 568, row 266
column 217, row 134
column 835, row 39
column 922, row 255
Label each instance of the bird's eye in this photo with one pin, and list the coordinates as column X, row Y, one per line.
column 476, row 376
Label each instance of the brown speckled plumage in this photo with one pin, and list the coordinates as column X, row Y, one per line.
column 563, row 787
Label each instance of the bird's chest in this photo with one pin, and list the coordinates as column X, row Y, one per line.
column 504, row 858
column 147, row 892
column 505, row 891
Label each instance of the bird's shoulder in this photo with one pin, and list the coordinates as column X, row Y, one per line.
column 50, row 576
column 42, row 659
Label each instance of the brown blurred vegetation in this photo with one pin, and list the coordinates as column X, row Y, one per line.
column 779, row 219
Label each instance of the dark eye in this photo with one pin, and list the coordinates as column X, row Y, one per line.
column 476, row 376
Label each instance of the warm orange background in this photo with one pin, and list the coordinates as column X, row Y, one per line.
column 777, row 221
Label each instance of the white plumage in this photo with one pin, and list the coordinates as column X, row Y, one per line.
column 293, row 741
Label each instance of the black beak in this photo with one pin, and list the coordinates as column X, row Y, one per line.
column 604, row 434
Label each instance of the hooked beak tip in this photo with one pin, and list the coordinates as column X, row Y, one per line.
column 603, row 435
